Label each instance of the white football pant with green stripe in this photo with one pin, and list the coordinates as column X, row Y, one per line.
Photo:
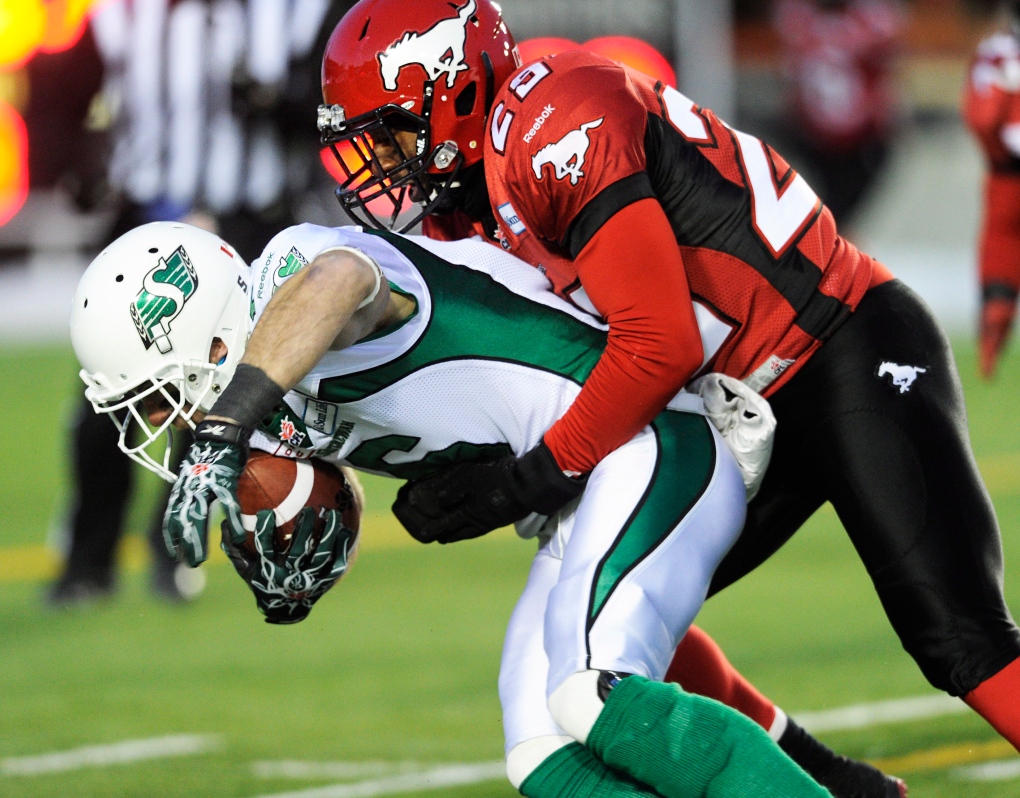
column 620, row 575
column 485, row 364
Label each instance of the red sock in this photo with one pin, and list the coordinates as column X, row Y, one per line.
column 700, row 666
column 997, row 700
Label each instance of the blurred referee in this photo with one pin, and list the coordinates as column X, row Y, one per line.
column 208, row 108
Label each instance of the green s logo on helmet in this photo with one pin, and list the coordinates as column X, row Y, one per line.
column 165, row 291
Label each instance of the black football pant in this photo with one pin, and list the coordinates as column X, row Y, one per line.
column 895, row 462
column 103, row 481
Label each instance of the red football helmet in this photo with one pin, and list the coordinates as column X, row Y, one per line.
column 429, row 67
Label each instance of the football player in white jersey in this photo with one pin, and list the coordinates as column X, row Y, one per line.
column 400, row 356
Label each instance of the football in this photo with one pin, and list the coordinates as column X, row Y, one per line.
column 286, row 486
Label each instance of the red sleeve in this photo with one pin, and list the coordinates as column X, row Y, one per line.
column 632, row 272
column 1000, row 234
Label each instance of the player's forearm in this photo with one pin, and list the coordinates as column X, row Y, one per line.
column 308, row 313
column 618, row 400
column 632, row 272
column 316, row 309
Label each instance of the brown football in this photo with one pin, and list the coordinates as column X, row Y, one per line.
column 286, row 486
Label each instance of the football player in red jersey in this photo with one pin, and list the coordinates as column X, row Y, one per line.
column 839, row 61
column 991, row 108
column 703, row 251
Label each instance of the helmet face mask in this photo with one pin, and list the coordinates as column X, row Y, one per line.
column 430, row 68
column 369, row 181
column 138, row 438
column 146, row 318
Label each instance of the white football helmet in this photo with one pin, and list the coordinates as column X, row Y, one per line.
column 144, row 317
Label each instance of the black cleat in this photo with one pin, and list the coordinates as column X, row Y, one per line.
column 77, row 591
column 840, row 775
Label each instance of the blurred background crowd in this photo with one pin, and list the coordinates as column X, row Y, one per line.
column 118, row 112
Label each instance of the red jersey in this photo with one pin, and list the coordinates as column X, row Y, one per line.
column 576, row 140
column 991, row 102
column 991, row 108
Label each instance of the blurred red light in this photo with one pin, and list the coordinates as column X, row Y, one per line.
column 65, row 23
column 636, row 54
column 13, row 162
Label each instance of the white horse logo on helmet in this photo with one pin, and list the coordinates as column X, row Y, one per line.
column 902, row 376
column 429, row 50
column 567, row 154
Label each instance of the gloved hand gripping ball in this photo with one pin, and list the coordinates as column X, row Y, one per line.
column 209, row 473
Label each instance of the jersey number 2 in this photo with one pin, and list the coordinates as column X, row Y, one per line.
column 779, row 212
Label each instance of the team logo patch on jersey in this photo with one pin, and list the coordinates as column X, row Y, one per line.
column 513, row 221
column 289, row 433
column 286, row 425
column 438, row 50
column 290, row 264
column 767, row 373
column 902, row 376
column 567, row 154
column 165, row 290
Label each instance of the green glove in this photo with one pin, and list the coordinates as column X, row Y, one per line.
column 286, row 585
column 209, row 473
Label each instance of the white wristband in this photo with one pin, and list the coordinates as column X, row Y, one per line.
column 375, row 291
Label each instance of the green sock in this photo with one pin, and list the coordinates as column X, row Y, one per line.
column 573, row 772
column 688, row 746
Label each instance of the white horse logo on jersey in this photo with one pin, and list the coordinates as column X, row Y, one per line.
column 428, row 50
column 902, row 376
column 567, row 154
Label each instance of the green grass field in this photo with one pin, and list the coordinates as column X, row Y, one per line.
column 398, row 665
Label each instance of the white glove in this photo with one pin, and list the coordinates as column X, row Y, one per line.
column 745, row 421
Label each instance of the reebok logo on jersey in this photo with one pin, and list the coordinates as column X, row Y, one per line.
column 902, row 376
column 428, row 50
column 513, row 221
column 567, row 154
column 539, row 121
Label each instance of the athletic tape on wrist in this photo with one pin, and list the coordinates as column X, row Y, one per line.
column 249, row 398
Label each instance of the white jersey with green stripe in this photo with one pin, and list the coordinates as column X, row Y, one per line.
column 487, row 362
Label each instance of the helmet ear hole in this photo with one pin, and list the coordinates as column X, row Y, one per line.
column 465, row 102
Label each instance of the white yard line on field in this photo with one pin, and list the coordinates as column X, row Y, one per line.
column 113, row 754
column 297, row 769
column 433, row 779
column 990, row 771
column 861, row 716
